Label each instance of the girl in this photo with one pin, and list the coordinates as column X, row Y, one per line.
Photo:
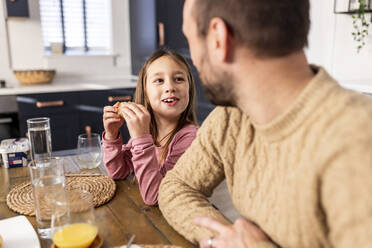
column 161, row 123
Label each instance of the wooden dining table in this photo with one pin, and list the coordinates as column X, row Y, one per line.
column 124, row 215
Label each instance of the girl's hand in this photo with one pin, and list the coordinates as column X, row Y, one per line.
column 112, row 121
column 137, row 118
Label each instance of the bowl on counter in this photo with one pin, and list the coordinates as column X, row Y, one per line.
column 31, row 77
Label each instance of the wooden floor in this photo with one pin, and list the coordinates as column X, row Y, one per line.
column 222, row 200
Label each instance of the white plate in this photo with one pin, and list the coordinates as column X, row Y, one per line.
column 18, row 232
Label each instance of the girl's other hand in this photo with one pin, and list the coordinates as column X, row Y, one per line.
column 137, row 118
column 112, row 121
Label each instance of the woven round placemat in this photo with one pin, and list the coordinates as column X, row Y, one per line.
column 21, row 200
column 160, row 246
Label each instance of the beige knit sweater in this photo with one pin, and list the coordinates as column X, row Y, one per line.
column 305, row 178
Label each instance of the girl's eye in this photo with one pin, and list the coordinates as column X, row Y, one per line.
column 180, row 79
column 159, row 80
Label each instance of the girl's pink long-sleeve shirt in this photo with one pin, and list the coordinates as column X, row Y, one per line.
column 141, row 156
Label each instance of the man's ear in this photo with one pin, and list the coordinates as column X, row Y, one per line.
column 219, row 43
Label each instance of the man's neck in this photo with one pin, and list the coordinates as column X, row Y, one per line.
column 266, row 88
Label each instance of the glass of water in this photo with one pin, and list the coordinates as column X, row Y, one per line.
column 40, row 139
column 89, row 152
column 48, row 182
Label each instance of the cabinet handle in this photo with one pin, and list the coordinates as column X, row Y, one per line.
column 119, row 98
column 5, row 120
column 88, row 131
column 161, row 34
column 50, row 104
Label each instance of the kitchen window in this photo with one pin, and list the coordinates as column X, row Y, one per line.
column 76, row 26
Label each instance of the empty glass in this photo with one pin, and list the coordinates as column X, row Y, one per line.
column 89, row 154
column 48, row 182
column 40, row 139
column 73, row 222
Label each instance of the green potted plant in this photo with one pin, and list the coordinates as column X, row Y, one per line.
column 360, row 24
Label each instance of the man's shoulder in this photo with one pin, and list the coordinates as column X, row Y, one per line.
column 350, row 110
column 340, row 108
column 225, row 123
column 344, row 120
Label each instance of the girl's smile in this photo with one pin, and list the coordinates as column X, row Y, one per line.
column 171, row 101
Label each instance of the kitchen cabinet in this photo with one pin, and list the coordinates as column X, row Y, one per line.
column 70, row 113
column 9, row 123
column 60, row 108
column 155, row 24
column 158, row 24
column 8, row 126
column 17, row 8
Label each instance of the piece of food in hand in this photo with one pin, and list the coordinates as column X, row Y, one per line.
column 1, row 241
column 120, row 106
column 119, row 109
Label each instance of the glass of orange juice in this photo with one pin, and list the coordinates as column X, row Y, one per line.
column 73, row 223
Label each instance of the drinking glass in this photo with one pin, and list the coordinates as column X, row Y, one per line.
column 40, row 139
column 48, row 182
column 89, row 154
column 73, row 222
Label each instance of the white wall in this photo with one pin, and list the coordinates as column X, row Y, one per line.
column 5, row 73
column 350, row 66
column 321, row 37
column 25, row 41
column 332, row 46
column 26, row 48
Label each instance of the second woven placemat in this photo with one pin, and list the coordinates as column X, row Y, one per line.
column 21, row 200
column 153, row 246
column 160, row 246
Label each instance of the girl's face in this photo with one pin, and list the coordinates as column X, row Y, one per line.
column 167, row 88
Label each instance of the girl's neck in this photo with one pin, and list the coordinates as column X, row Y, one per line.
column 165, row 127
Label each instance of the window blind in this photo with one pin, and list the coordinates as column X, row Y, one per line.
column 80, row 25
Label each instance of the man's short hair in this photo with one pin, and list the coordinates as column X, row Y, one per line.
column 270, row 28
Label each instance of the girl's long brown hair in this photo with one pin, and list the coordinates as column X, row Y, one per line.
column 187, row 117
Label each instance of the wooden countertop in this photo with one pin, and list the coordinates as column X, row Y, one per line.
column 70, row 85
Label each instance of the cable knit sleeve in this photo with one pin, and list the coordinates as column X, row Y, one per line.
column 184, row 190
column 145, row 162
column 346, row 190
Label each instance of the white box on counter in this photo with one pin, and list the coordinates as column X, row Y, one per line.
column 14, row 152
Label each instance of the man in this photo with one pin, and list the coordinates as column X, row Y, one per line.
column 295, row 147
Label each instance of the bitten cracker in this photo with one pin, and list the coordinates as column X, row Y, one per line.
column 119, row 109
